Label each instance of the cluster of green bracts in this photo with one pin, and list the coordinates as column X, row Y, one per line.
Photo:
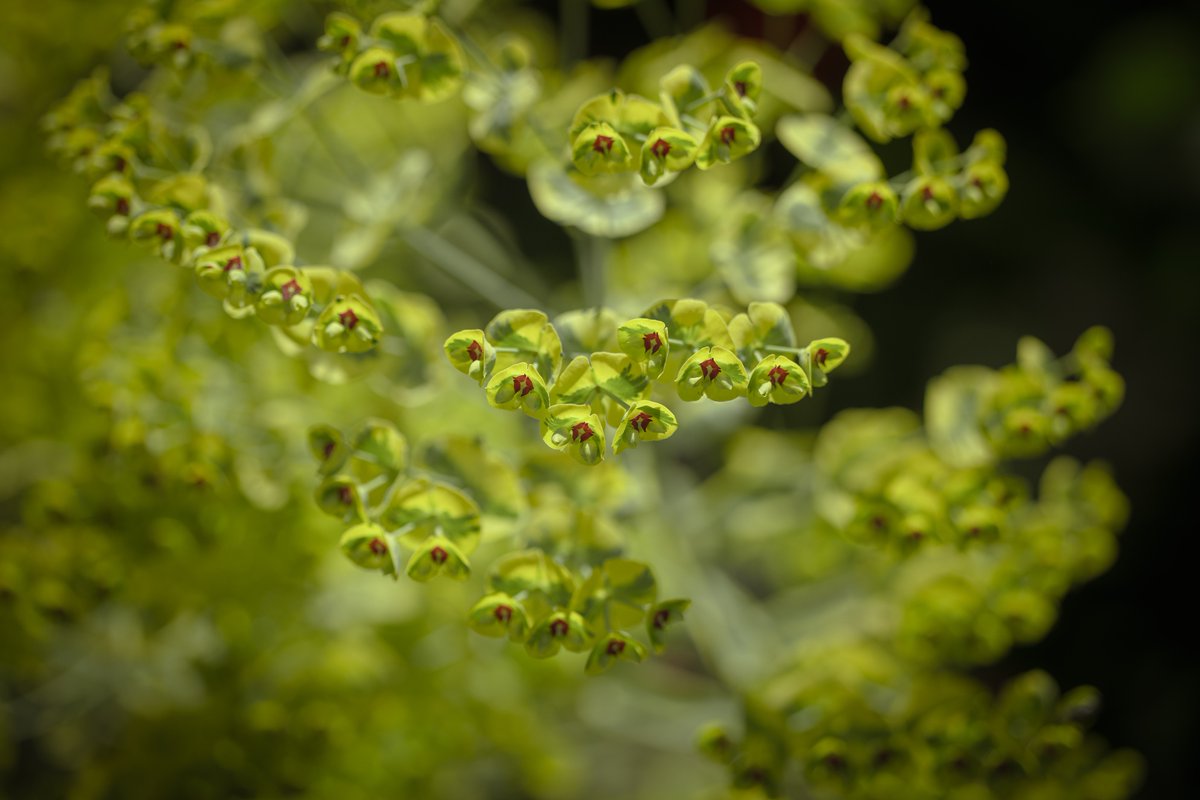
column 518, row 360
column 127, row 150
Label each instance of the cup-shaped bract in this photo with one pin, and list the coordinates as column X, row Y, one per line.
column 661, row 617
column 347, row 325
column 928, row 203
column 743, row 85
column 872, row 205
column 367, row 545
column 646, row 342
column 984, row 185
column 519, row 388
column 576, row 430
column 561, row 629
column 498, row 615
column 328, row 447
column 727, row 139
column 599, row 149
column 714, row 372
column 644, row 421
column 777, row 379
column 610, row 649
column 470, row 353
column 286, row 296
column 666, row 150
column 436, row 556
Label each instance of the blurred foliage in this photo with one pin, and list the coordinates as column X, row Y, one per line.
column 175, row 614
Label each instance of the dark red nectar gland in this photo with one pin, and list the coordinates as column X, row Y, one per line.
column 122, row 207
column 927, row 193
column 904, row 102
column 740, row 88
column 381, row 69
column 777, row 376
column 522, row 384
column 377, row 546
column 559, row 628
column 475, row 350
column 652, row 342
column 581, row 432
column 233, row 263
column 641, row 422
column 164, row 231
column 874, row 201
column 728, row 134
column 603, row 144
column 345, row 495
column 661, row 618
column 438, row 555
column 290, row 290
column 710, row 369
column 660, row 148
column 327, row 450
column 820, row 356
column 615, row 647
column 502, row 614
column 212, row 239
column 348, row 319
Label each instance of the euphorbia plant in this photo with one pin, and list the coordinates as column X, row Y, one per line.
column 685, row 320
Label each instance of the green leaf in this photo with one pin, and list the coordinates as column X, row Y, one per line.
column 486, row 476
column 764, row 325
column 683, row 91
column 827, row 146
column 617, row 376
column 954, row 402
column 662, row 616
column 644, row 421
column 587, row 330
column 714, row 372
column 530, row 334
column 421, row 509
column 692, row 322
column 610, row 206
column 532, row 572
column 519, row 387
column 613, row 648
column 379, row 442
column 616, row 594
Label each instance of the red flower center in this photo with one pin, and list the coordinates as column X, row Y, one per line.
column 874, row 201
column 164, row 231
column 710, row 369
column 381, row 69
column 122, row 207
column 652, row 342
column 438, row 555
column 641, row 422
column 777, row 376
column 559, row 627
column 740, row 88
column 290, row 289
column 522, row 384
column 377, row 546
column 603, row 144
column 503, row 614
column 927, row 193
column 346, row 495
column 615, row 647
column 327, row 450
column 820, row 356
column 234, row 263
column 661, row 617
column 660, row 148
column 581, row 431
column 475, row 350
column 212, row 239
column 348, row 319
column 728, row 134
column 904, row 102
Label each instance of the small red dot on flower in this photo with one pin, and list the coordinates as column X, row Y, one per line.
column 327, row 450
column 438, row 555
column 661, row 617
column 475, row 350
column 122, row 207
column 559, row 627
column 615, row 647
column 381, row 69
column 652, row 342
column 874, row 201
column 212, row 239
column 660, row 148
column 728, row 134
column 345, row 495
column 164, row 231
column 820, row 356
column 641, row 422
column 777, row 375
column 503, row 613
column 710, row 369
column 348, row 318
column 581, row 432
column 377, row 546
column 603, row 144
column 290, row 289
column 522, row 384
column 233, row 263
column 740, row 88
column 927, row 193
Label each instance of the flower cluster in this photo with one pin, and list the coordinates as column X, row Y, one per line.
column 518, row 360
